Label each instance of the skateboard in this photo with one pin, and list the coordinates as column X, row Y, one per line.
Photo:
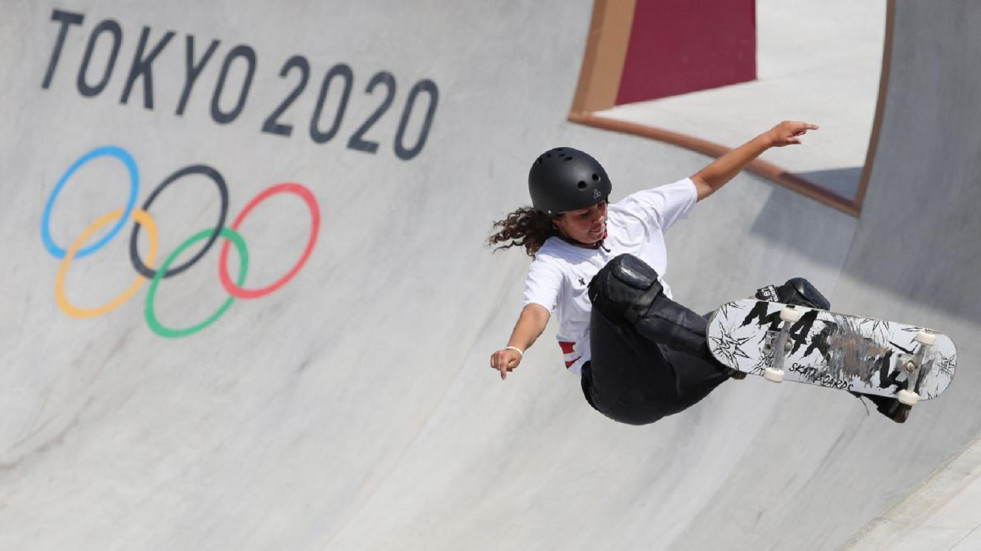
column 865, row 355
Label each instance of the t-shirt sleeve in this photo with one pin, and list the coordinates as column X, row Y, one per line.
column 543, row 284
column 663, row 205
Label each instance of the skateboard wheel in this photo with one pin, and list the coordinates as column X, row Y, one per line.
column 907, row 398
column 773, row 375
column 790, row 314
column 926, row 338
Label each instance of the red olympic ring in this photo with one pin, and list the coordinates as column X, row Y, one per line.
column 310, row 200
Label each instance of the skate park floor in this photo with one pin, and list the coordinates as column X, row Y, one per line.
column 353, row 407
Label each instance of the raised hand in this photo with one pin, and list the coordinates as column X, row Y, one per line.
column 789, row 132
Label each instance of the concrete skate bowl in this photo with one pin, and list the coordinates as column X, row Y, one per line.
column 697, row 74
column 332, row 392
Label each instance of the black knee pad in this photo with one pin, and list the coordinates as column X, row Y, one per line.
column 625, row 288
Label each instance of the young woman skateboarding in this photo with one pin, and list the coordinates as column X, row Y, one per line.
column 599, row 267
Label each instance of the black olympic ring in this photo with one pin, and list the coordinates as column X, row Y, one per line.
column 203, row 170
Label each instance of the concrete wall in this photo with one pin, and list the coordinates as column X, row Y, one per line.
column 353, row 408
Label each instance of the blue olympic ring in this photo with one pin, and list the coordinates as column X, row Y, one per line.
column 134, row 188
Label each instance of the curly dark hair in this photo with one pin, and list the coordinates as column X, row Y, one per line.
column 525, row 227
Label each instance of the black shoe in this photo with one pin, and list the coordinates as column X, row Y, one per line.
column 888, row 406
column 797, row 291
column 900, row 412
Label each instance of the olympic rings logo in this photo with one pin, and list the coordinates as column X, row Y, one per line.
column 142, row 219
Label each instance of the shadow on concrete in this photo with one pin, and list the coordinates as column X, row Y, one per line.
column 840, row 181
column 825, row 237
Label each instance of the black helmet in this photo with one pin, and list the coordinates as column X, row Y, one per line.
column 564, row 179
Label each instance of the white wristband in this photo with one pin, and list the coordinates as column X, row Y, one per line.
column 516, row 349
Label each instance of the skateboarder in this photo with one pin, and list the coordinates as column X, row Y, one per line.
column 599, row 268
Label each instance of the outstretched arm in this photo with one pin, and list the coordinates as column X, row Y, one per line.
column 714, row 176
column 529, row 327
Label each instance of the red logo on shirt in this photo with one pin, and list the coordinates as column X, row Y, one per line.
column 567, row 349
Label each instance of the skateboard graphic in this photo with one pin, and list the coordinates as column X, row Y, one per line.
column 818, row 347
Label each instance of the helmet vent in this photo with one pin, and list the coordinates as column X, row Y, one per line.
column 581, row 185
column 596, row 177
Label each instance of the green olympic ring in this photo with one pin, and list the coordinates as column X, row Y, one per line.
column 151, row 317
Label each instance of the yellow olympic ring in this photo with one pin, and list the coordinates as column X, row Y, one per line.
column 144, row 219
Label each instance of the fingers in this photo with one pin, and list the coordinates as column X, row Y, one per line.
column 789, row 132
column 797, row 128
column 504, row 361
column 801, row 125
column 504, row 367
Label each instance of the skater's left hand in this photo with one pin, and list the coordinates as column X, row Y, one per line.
column 789, row 132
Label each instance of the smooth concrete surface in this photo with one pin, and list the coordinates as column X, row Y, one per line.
column 817, row 61
column 941, row 514
column 353, row 408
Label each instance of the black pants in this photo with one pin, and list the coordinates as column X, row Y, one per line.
column 633, row 380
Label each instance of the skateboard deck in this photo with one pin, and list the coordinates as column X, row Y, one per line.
column 824, row 348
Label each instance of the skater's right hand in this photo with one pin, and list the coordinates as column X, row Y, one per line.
column 505, row 360
column 530, row 325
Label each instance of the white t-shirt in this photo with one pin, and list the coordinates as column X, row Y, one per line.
column 560, row 273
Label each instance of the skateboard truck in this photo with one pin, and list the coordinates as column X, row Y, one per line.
column 782, row 345
column 912, row 365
